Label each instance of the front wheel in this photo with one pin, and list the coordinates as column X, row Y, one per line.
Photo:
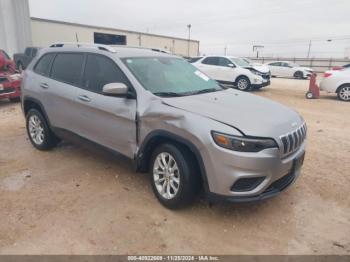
column 243, row 83
column 344, row 93
column 174, row 177
column 38, row 131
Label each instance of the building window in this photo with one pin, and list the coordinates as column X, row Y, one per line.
column 109, row 39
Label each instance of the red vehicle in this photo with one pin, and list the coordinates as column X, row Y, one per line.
column 10, row 80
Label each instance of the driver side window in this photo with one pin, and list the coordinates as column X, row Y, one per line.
column 224, row 62
column 99, row 71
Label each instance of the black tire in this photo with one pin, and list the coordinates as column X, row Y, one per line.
column 189, row 178
column 299, row 75
column 243, row 87
column 342, row 93
column 15, row 99
column 49, row 140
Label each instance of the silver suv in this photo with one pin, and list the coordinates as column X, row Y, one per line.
column 172, row 120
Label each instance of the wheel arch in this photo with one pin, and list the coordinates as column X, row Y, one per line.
column 157, row 137
column 341, row 86
column 33, row 103
column 240, row 76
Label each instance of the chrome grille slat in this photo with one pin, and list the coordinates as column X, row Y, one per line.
column 293, row 140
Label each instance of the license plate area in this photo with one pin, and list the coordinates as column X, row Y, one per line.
column 298, row 162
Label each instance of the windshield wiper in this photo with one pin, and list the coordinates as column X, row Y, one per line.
column 167, row 94
column 208, row 90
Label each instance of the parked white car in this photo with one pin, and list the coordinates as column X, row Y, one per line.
column 337, row 82
column 288, row 69
column 233, row 70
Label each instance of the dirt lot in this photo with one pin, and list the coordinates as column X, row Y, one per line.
column 76, row 200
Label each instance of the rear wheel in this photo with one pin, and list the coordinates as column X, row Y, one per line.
column 174, row 178
column 243, row 83
column 38, row 131
column 299, row 75
column 344, row 93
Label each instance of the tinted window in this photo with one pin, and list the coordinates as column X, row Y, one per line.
column 109, row 39
column 275, row 64
column 43, row 66
column 211, row 61
column 34, row 52
column 67, row 68
column 27, row 51
column 99, row 71
column 224, row 61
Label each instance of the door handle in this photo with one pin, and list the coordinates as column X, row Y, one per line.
column 84, row 98
column 44, row 85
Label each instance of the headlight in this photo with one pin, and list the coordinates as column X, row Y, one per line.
column 243, row 144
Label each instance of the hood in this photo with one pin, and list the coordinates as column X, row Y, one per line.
column 250, row 114
column 259, row 67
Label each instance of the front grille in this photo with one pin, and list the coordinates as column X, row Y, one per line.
column 7, row 90
column 266, row 76
column 292, row 141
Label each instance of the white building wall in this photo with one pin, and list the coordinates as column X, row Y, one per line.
column 47, row 32
column 15, row 30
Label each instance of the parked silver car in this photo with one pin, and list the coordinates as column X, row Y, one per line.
column 168, row 117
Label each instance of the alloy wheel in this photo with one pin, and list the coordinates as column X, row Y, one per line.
column 242, row 84
column 36, row 129
column 166, row 175
column 344, row 93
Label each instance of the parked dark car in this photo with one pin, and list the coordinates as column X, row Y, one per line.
column 22, row 60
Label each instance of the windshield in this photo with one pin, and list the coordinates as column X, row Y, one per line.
column 239, row 62
column 170, row 76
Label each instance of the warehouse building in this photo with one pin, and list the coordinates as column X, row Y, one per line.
column 57, row 31
column 18, row 30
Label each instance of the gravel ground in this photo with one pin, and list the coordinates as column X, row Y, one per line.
column 81, row 200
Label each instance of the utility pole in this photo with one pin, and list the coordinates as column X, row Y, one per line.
column 189, row 39
column 308, row 52
column 310, row 44
column 225, row 52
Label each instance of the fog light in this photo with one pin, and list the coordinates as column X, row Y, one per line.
column 247, row 184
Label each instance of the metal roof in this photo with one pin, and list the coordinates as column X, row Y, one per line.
column 108, row 28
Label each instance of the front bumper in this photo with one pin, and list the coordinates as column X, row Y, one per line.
column 10, row 89
column 226, row 168
column 263, row 84
column 273, row 190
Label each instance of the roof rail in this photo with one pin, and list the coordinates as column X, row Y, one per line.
column 142, row 47
column 85, row 45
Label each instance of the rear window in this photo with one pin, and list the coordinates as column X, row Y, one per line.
column 43, row 66
column 67, row 68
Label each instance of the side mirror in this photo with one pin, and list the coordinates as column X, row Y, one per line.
column 231, row 65
column 117, row 89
